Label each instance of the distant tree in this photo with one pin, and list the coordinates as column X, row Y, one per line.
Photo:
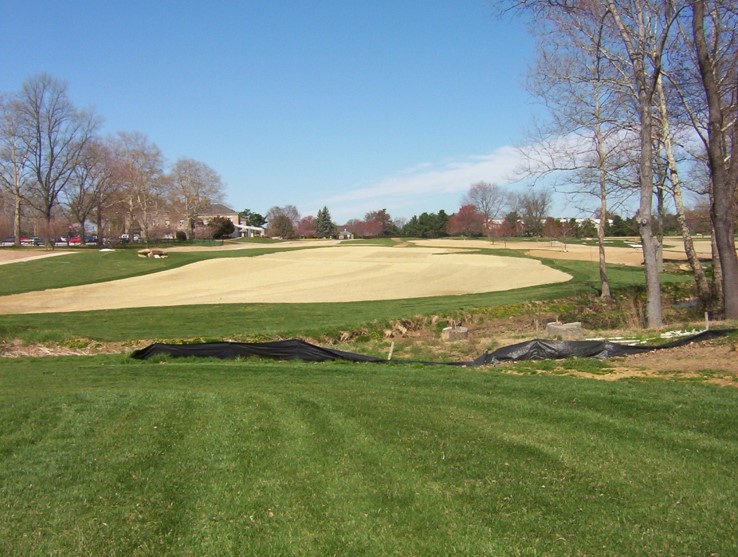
column 221, row 227
column 698, row 218
column 54, row 134
column 324, row 227
column 90, row 185
column 533, row 207
column 426, row 225
column 587, row 229
column 139, row 175
column 557, row 229
column 513, row 224
column 468, row 221
column 490, row 201
column 15, row 171
column 552, row 228
column 283, row 221
column 194, row 185
column 306, row 227
column 621, row 227
column 399, row 224
column 252, row 219
column 381, row 222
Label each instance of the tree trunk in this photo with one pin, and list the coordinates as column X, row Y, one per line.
column 660, row 223
column 700, row 280
column 604, row 283
column 645, row 220
column 722, row 154
column 645, row 83
column 17, row 219
column 98, row 224
column 717, row 274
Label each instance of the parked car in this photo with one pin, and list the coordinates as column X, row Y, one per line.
column 30, row 241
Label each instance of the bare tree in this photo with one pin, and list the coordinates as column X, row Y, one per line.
column 585, row 143
column 643, row 27
column 715, row 34
column 632, row 37
column 55, row 133
column 490, row 200
column 673, row 176
column 533, row 207
column 90, row 185
column 283, row 221
column 140, row 177
column 194, row 186
column 15, row 174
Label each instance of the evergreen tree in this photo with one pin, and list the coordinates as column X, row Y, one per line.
column 324, row 227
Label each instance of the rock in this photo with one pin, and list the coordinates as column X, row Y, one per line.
column 565, row 331
column 454, row 333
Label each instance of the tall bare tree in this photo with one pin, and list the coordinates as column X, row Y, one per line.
column 632, row 39
column 140, row 177
column 194, row 185
column 715, row 34
column 673, row 176
column 90, row 186
column 583, row 147
column 55, row 133
column 643, row 27
column 15, row 174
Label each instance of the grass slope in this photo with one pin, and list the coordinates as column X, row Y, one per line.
column 249, row 320
column 107, row 456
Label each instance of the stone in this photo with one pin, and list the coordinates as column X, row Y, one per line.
column 454, row 333
column 565, row 331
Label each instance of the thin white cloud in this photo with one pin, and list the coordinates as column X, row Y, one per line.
column 425, row 181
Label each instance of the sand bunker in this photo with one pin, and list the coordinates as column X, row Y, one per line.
column 330, row 274
column 554, row 249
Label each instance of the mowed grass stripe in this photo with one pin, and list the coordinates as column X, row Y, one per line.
column 112, row 457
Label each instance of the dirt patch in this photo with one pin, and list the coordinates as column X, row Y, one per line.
column 714, row 363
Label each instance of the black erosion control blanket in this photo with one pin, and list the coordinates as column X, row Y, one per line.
column 296, row 349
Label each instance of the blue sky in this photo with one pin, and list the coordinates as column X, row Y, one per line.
column 357, row 106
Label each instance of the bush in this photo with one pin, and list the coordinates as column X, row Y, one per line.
column 221, row 227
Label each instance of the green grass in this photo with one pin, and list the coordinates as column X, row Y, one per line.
column 248, row 321
column 108, row 456
column 88, row 266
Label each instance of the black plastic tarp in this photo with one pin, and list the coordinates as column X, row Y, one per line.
column 293, row 349
column 296, row 349
column 539, row 349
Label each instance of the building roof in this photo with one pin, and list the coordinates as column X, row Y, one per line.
column 217, row 209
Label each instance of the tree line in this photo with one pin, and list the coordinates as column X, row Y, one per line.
column 486, row 210
column 59, row 177
column 642, row 97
